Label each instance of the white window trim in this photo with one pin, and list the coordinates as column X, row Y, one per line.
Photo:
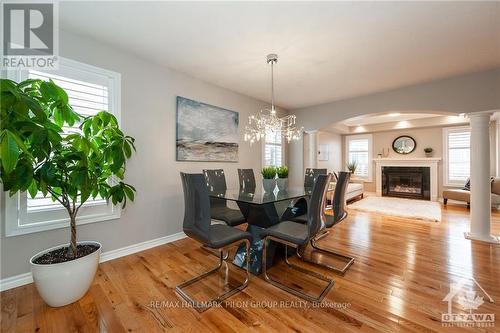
column 263, row 150
column 13, row 214
column 369, row 137
column 446, row 131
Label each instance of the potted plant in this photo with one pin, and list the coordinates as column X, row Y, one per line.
column 35, row 156
column 282, row 180
column 351, row 166
column 269, row 181
column 428, row 151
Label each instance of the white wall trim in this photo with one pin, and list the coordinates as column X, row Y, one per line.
column 26, row 278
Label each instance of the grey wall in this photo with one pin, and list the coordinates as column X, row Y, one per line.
column 461, row 94
column 148, row 106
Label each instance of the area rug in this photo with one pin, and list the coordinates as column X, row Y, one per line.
column 415, row 209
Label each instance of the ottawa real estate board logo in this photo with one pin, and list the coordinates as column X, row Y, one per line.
column 30, row 37
column 469, row 301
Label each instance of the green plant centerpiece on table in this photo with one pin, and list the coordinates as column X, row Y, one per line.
column 428, row 151
column 282, row 180
column 269, row 178
column 37, row 156
column 352, row 166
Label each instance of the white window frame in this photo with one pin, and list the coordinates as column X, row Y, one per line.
column 18, row 221
column 446, row 132
column 283, row 151
column 368, row 137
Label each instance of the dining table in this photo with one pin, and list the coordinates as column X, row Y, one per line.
column 262, row 210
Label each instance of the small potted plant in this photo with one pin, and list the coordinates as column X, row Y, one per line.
column 36, row 156
column 351, row 166
column 428, row 151
column 282, row 180
column 269, row 181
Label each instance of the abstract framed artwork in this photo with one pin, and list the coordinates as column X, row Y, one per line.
column 206, row 133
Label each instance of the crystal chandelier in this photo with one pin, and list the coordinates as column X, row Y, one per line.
column 266, row 121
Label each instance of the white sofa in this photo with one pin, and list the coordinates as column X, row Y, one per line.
column 354, row 189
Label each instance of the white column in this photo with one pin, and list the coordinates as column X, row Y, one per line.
column 310, row 149
column 480, row 202
column 498, row 143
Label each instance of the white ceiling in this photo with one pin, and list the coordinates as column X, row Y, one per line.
column 328, row 50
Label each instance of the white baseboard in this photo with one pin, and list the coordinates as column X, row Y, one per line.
column 15, row 281
column 125, row 251
column 26, row 278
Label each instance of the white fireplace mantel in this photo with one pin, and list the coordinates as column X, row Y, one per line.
column 430, row 162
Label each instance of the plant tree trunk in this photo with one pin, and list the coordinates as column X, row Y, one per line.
column 72, row 245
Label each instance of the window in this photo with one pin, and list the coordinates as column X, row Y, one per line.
column 90, row 90
column 456, row 143
column 273, row 149
column 359, row 150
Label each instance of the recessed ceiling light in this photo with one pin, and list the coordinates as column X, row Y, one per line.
column 394, row 114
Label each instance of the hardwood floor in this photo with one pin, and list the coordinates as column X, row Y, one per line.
column 402, row 272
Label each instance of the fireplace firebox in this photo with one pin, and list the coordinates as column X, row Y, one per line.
column 406, row 182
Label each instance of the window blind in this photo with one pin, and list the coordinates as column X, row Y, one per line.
column 359, row 152
column 273, row 150
column 458, row 155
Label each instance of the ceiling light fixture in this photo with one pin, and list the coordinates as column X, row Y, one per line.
column 395, row 114
column 267, row 122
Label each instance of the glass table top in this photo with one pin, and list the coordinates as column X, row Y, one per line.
column 260, row 197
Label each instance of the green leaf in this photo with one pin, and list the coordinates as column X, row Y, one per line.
column 84, row 196
column 34, row 106
column 49, row 91
column 23, row 175
column 33, row 189
column 10, row 87
column 61, row 94
column 9, row 151
column 48, row 173
column 58, row 116
column 126, row 149
column 129, row 192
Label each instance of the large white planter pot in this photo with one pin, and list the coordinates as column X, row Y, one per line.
column 64, row 283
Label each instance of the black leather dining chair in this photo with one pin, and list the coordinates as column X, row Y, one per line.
column 297, row 234
column 216, row 182
column 311, row 175
column 300, row 206
column 247, row 180
column 339, row 214
column 197, row 225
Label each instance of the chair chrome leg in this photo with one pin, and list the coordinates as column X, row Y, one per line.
column 278, row 284
column 214, row 252
column 323, row 234
column 342, row 270
column 200, row 307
